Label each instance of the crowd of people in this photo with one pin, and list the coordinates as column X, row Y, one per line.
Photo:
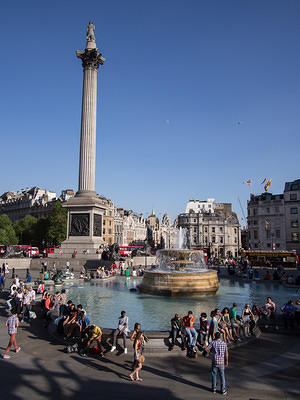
column 231, row 326
column 85, row 337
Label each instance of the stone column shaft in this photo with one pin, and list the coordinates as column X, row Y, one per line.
column 87, row 161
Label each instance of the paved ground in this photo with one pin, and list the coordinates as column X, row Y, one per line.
column 266, row 369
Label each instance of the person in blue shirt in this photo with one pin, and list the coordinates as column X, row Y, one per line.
column 2, row 282
column 288, row 314
column 28, row 278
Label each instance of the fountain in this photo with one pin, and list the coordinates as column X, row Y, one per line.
column 180, row 272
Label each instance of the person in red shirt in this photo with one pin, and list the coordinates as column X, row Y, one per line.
column 188, row 321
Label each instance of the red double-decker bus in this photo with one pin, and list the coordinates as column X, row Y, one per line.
column 30, row 250
column 127, row 250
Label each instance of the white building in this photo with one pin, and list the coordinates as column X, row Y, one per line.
column 216, row 230
column 198, row 206
column 33, row 201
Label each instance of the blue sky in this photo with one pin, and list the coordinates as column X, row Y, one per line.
column 176, row 78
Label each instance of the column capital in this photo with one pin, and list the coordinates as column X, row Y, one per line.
column 91, row 58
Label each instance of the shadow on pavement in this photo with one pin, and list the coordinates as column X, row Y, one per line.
column 66, row 383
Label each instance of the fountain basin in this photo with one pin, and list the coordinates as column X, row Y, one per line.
column 187, row 284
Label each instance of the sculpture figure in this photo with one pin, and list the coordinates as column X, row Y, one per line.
column 90, row 32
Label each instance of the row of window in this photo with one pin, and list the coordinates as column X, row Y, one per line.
column 213, row 229
column 213, row 239
column 294, row 223
column 294, row 237
column 293, row 210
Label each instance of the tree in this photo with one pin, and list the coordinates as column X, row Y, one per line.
column 7, row 232
column 150, row 240
column 41, row 233
column 57, row 228
column 26, row 229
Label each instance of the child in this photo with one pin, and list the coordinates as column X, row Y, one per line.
column 204, row 329
column 12, row 323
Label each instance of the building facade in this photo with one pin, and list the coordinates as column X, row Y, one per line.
column 273, row 219
column 129, row 227
column 108, row 221
column 217, row 230
column 292, row 213
column 34, row 201
column 266, row 222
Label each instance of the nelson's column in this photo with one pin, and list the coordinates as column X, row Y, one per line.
column 85, row 210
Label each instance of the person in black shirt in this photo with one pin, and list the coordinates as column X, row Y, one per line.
column 177, row 329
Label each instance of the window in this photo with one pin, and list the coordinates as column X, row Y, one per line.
column 294, row 224
column 104, row 221
column 254, row 211
column 235, row 230
column 294, row 210
column 269, row 245
column 249, row 236
column 256, row 245
column 206, row 240
column 213, row 239
column 209, row 206
column 268, row 210
column 293, row 196
column 255, row 234
column 235, row 240
column 295, row 236
column 195, row 229
column 221, row 239
column 267, row 234
column 277, row 245
column 221, row 228
column 295, row 186
column 109, row 231
column 213, row 229
column 103, row 231
column 278, row 233
column 109, row 223
column 205, row 229
column 277, row 209
column 255, row 222
column 195, row 239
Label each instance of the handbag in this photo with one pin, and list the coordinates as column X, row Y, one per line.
column 141, row 359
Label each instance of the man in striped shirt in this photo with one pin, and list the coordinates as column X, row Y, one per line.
column 12, row 324
column 219, row 360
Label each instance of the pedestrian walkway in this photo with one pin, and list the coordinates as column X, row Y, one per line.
column 43, row 371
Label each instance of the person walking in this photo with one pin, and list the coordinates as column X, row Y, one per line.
column 139, row 359
column 12, row 324
column 219, row 360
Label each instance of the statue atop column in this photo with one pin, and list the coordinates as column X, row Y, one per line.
column 90, row 56
column 90, row 37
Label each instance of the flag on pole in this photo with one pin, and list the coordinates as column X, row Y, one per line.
column 268, row 184
column 248, row 182
column 264, row 181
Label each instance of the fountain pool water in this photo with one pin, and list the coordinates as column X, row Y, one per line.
column 103, row 301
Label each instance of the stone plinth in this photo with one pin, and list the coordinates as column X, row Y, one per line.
column 180, row 283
